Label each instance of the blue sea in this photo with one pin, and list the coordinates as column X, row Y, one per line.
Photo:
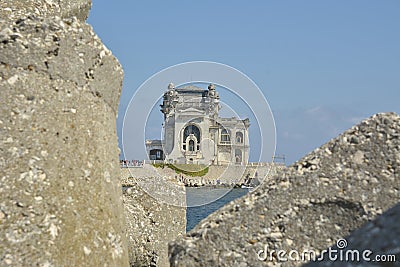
column 202, row 201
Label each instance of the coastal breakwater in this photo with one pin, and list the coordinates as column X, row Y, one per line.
column 228, row 175
column 60, row 197
column 312, row 204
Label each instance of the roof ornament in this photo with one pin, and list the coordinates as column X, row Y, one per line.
column 212, row 92
column 171, row 86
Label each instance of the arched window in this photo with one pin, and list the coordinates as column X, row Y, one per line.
column 225, row 138
column 191, row 145
column 191, row 129
column 239, row 137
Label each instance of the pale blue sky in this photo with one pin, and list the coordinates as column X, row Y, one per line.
column 322, row 65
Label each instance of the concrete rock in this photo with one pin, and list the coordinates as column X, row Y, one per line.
column 316, row 201
column 60, row 199
column 14, row 10
column 150, row 226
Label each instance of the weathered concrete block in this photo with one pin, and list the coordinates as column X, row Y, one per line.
column 151, row 225
column 321, row 198
column 60, row 198
column 13, row 10
column 152, row 220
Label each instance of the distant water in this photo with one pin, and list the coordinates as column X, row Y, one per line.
column 200, row 195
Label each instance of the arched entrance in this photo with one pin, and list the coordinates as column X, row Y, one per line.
column 191, row 138
column 191, row 145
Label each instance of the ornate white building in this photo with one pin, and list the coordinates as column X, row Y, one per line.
column 193, row 133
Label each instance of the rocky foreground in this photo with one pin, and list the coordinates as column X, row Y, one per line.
column 155, row 210
column 60, row 198
column 151, row 224
column 318, row 200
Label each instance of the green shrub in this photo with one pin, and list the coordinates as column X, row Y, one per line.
column 186, row 169
column 158, row 165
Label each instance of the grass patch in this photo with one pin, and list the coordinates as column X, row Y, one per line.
column 159, row 165
column 186, row 169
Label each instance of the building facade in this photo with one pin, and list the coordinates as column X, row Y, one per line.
column 193, row 133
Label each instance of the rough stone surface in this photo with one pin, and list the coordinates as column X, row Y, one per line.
column 322, row 197
column 60, row 199
column 14, row 10
column 150, row 226
column 380, row 236
column 159, row 185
